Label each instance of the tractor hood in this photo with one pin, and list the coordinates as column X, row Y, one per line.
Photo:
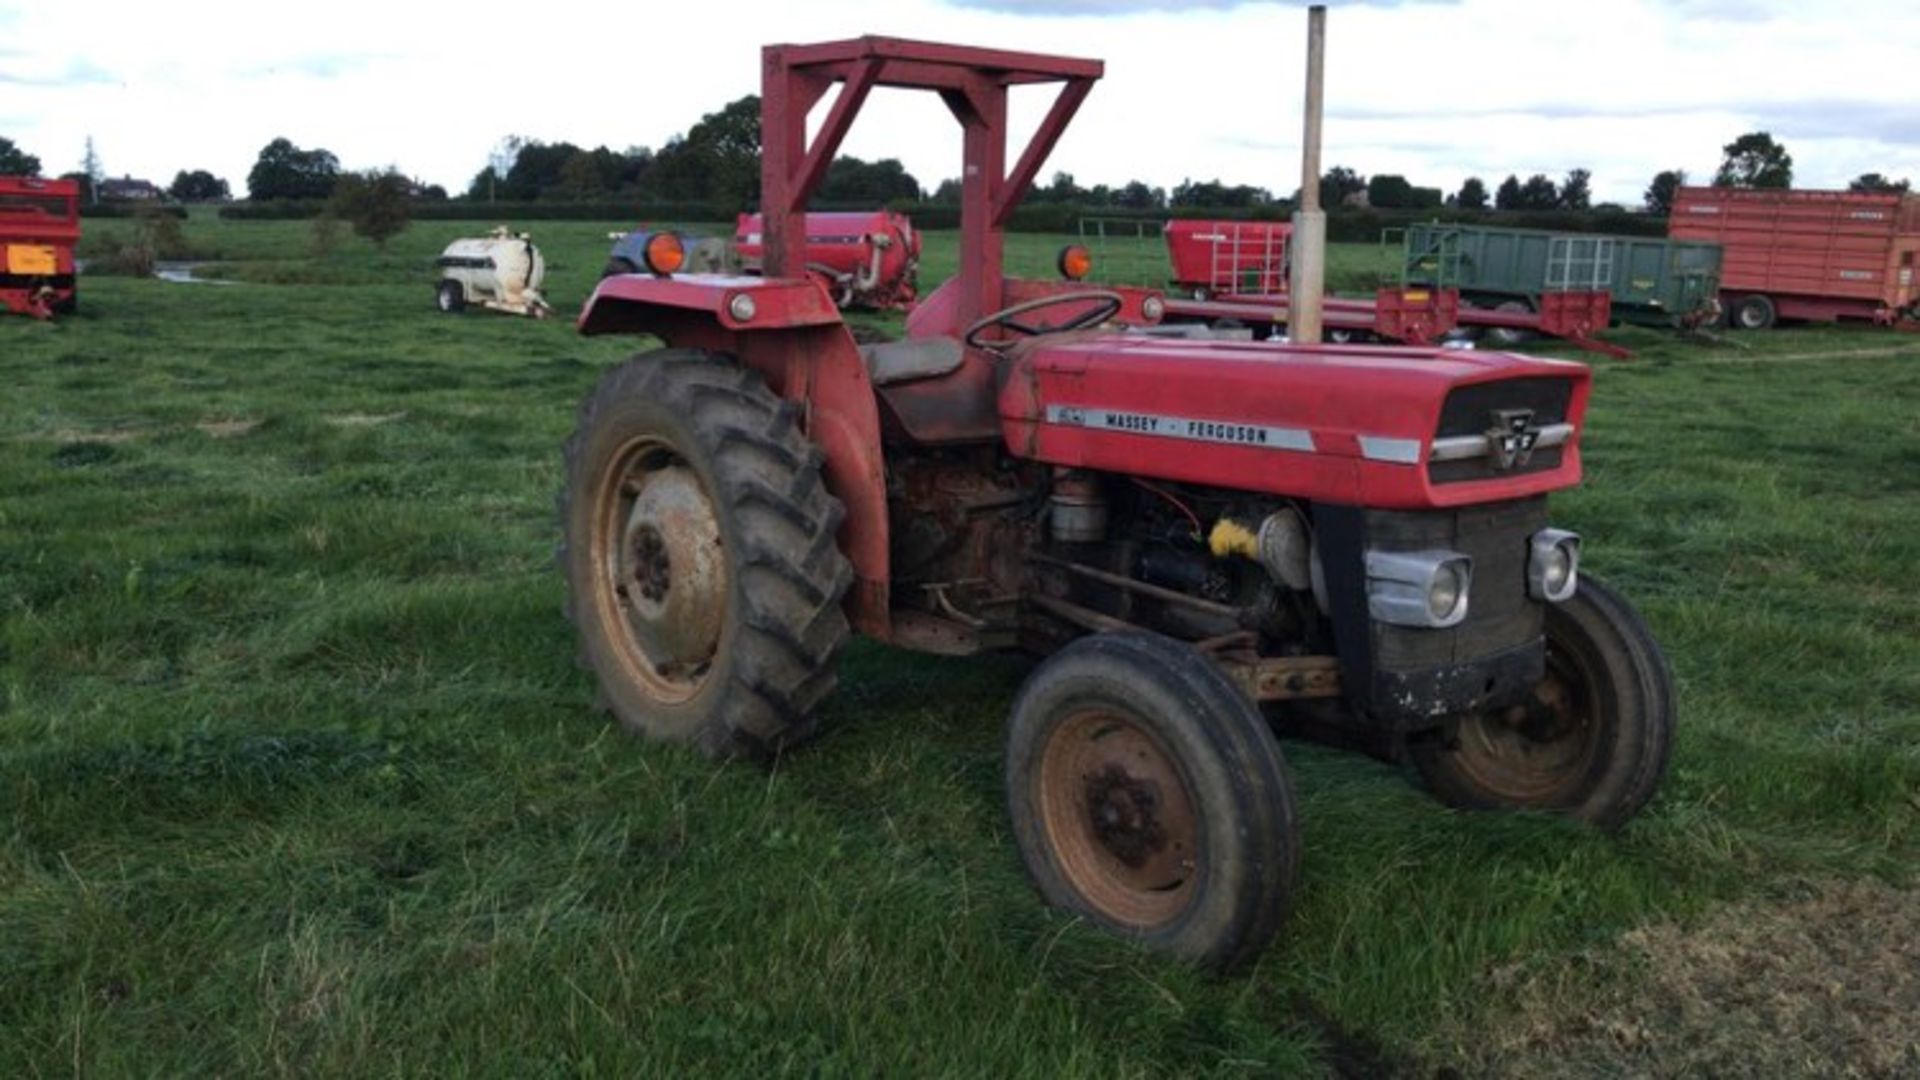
column 1396, row 428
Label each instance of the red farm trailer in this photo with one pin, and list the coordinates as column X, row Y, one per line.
column 39, row 226
column 866, row 259
column 1222, row 258
column 1204, row 538
column 1819, row 256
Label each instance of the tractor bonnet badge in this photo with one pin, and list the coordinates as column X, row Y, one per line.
column 1512, row 438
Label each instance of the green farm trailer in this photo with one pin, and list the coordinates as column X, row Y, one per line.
column 1654, row 281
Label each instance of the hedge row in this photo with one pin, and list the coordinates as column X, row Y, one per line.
column 1347, row 224
column 130, row 209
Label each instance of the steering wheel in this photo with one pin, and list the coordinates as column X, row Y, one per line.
column 1106, row 305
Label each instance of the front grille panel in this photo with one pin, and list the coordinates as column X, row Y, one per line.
column 1469, row 411
column 1500, row 614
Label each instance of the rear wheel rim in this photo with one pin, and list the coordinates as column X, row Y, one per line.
column 660, row 569
column 1119, row 818
column 1538, row 752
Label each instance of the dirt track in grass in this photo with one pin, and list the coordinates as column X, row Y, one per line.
column 1824, row 984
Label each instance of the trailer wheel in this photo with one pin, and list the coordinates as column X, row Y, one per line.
column 1509, row 336
column 451, row 298
column 1593, row 740
column 1755, row 313
column 1147, row 794
column 69, row 304
column 703, row 576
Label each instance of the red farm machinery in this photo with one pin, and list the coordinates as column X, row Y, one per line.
column 1209, row 540
column 39, row 228
column 1236, row 273
column 1816, row 256
column 866, row 259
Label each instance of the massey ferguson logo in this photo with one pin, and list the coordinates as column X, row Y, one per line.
column 1512, row 438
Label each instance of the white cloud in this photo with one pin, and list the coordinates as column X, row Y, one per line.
column 1434, row 91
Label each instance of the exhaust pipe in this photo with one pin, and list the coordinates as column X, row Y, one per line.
column 1309, row 220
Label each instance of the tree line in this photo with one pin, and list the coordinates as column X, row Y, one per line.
column 717, row 162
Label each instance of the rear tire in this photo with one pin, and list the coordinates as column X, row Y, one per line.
column 1592, row 742
column 70, row 305
column 1147, row 794
column 1755, row 313
column 451, row 298
column 703, row 575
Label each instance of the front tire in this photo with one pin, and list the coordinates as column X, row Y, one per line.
column 1147, row 794
column 703, row 575
column 451, row 299
column 1593, row 740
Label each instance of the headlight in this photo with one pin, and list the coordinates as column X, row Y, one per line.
column 1445, row 591
column 742, row 307
column 1153, row 308
column 1418, row 588
column 1553, row 565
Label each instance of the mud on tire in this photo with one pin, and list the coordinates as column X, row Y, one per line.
column 1147, row 793
column 1592, row 744
column 703, row 576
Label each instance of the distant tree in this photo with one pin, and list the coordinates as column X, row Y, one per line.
column 1061, row 190
column 198, row 186
column 484, row 187
column 948, row 193
column 1508, row 196
column 84, row 182
column 1576, row 192
column 1874, row 182
column 1426, row 198
column 284, row 171
column 1340, row 184
column 868, row 183
column 718, row 160
column 1473, row 194
column 429, row 192
column 1389, row 192
column 1213, row 193
column 96, row 172
column 1666, row 184
column 1754, row 160
column 377, row 203
column 1137, row 195
column 1538, row 193
column 15, row 161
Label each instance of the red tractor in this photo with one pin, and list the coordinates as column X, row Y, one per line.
column 1205, row 537
column 39, row 227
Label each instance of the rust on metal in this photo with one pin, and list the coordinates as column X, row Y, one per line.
column 1285, row 678
column 1119, row 817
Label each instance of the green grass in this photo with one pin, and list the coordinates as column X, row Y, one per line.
column 297, row 774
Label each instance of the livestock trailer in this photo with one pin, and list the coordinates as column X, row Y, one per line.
column 39, row 227
column 1652, row 281
column 1820, row 256
column 1226, row 258
column 867, row 258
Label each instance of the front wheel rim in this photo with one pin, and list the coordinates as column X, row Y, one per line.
column 1537, row 752
column 1119, row 818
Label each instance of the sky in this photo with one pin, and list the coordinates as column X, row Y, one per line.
column 1204, row 89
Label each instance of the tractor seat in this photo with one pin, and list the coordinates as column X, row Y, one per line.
column 890, row 362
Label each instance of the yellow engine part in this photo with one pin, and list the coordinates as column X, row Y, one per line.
column 1229, row 537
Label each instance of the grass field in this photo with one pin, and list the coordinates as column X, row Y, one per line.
column 297, row 774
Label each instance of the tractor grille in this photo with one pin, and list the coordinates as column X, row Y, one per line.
column 1469, row 411
column 1500, row 615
